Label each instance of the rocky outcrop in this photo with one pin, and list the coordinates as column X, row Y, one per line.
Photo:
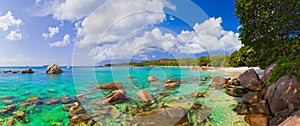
column 144, row 96
column 159, row 117
column 53, row 69
column 241, row 109
column 251, row 97
column 236, row 92
column 112, row 86
column 256, row 119
column 218, row 82
column 280, row 117
column 283, row 94
column 115, row 96
column 293, row 120
column 261, row 107
column 267, row 72
column 27, row 71
column 152, row 79
column 250, row 80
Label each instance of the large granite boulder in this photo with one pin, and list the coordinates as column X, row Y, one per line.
column 256, row 119
column 27, row 71
column 159, row 117
column 261, row 107
column 236, row 92
column 144, row 96
column 218, row 82
column 250, row 80
column 267, row 72
column 111, row 86
column 251, row 97
column 53, row 69
column 293, row 120
column 115, row 96
column 283, row 94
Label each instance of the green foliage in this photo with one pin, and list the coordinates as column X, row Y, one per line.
column 286, row 65
column 271, row 29
column 265, row 26
column 217, row 60
column 242, row 57
column 203, row 61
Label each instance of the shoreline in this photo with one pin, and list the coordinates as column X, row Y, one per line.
column 234, row 72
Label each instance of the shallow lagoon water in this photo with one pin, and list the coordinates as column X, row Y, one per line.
column 82, row 80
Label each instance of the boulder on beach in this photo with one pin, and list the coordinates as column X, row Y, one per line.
column 236, row 92
column 53, row 69
column 256, row 119
column 267, row 72
column 293, row 120
column 144, row 96
column 251, row 97
column 250, row 80
column 112, row 86
column 261, row 107
column 115, row 96
column 241, row 109
column 283, row 94
column 152, row 79
column 27, row 71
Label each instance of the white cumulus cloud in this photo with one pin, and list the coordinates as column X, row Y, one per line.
column 52, row 31
column 206, row 37
column 9, row 20
column 66, row 41
column 111, row 22
column 14, row 35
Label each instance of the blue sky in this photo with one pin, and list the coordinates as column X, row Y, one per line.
column 38, row 32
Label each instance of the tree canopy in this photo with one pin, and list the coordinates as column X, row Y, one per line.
column 271, row 28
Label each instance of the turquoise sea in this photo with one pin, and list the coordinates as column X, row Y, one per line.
column 15, row 89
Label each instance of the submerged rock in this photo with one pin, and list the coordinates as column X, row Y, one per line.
column 7, row 110
column 152, row 79
column 115, row 96
column 19, row 115
column 7, row 97
column 198, row 94
column 51, row 101
column 159, row 117
column 27, row 71
column 14, row 72
column 144, row 96
column 53, row 69
column 218, row 82
column 172, row 85
column 51, row 91
column 66, row 99
column 112, row 86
